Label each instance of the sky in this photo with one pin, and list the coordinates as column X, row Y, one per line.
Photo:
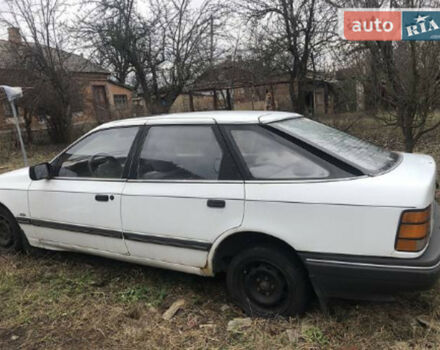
column 4, row 8
column 3, row 30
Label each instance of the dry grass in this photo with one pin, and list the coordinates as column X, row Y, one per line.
column 69, row 301
column 11, row 157
column 72, row 301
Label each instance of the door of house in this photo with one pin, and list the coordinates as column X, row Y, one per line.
column 100, row 102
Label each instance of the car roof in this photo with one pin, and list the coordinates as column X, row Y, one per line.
column 208, row 117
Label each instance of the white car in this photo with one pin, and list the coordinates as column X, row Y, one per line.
column 284, row 205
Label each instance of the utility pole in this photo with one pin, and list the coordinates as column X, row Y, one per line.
column 211, row 51
column 11, row 94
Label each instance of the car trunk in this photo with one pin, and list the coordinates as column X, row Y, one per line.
column 413, row 181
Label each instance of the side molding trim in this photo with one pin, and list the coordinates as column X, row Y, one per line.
column 137, row 237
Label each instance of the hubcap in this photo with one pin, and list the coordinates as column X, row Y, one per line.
column 5, row 233
column 265, row 284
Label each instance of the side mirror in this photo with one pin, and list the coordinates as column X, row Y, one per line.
column 40, row 171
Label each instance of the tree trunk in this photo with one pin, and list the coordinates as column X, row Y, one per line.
column 408, row 135
column 409, row 145
column 292, row 94
column 301, row 96
column 59, row 128
column 28, row 126
column 408, row 140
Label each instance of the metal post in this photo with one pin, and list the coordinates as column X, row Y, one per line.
column 17, row 124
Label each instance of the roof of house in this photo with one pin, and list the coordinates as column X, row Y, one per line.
column 117, row 83
column 244, row 73
column 207, row 117
column 74, row 63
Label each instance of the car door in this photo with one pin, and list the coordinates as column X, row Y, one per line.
column 185, row 191
column 80, row 206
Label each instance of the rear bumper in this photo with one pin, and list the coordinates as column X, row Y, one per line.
column 348, row 276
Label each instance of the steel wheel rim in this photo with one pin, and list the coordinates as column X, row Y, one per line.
column 6, row 235
column 264, row 284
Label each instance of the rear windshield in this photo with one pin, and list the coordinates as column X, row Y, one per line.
column 361, row 154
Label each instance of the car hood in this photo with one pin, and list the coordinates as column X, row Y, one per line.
column 15, row 180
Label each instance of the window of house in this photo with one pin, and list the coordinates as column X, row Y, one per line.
column 121, row 101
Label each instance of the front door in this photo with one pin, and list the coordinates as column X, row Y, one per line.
column 186, row 191
column 80, row 207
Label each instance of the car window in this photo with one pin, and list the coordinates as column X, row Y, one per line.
column 369, row 157
column 267, row 157
column 102, row 154
column 180, row 153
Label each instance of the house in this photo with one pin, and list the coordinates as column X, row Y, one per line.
column 103, row 98
column 241, row 85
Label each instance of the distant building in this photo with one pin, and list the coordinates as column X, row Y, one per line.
column 103, row 99
column 350, row 91
column 236, row 85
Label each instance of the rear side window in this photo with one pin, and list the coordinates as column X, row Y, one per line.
column 184, row 152
column 267, row 156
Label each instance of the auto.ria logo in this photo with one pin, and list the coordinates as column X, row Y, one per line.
column 389, row 24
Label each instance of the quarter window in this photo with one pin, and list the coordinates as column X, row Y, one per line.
column 181, row 153
column 102, row 154
column 267, row 156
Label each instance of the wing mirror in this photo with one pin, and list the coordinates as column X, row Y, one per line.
column 40, row 172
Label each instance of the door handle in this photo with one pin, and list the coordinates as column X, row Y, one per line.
column 101, row 198
column 216, row 203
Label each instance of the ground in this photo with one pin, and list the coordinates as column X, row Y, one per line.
column 73, row 301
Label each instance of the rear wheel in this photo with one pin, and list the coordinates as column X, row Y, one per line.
column 10, row 236
column 266, row 282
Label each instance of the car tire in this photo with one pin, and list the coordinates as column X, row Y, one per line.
column 268, row 282
column 10, row 233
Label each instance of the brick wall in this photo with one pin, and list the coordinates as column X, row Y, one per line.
column 253, row 99
column 90, row 111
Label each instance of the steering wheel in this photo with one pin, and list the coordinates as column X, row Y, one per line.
column 101, row 158
column 277, row 168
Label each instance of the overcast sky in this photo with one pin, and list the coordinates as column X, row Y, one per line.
column 4, row 9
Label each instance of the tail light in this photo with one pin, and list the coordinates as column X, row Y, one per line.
column 414, row 229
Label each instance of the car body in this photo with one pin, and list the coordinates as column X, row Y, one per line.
column 259, row 191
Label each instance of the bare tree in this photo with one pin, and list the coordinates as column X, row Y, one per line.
column 290, row 36
column 401, row 79
column 166, row 45
column 108, row 56
column 40, row 58
column 405, row 86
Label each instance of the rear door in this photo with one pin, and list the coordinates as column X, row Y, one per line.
column 185, row 191
column 81, row 206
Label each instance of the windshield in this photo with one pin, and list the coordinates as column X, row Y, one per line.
column 370, row 158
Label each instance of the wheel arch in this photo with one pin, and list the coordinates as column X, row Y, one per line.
column 228, row 246
column 3, row 206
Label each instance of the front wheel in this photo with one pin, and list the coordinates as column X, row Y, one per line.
column 10, row 237
column 266, row 282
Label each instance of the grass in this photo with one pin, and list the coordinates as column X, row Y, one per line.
column 73, row 301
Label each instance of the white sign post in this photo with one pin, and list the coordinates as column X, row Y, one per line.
column 11, row 94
